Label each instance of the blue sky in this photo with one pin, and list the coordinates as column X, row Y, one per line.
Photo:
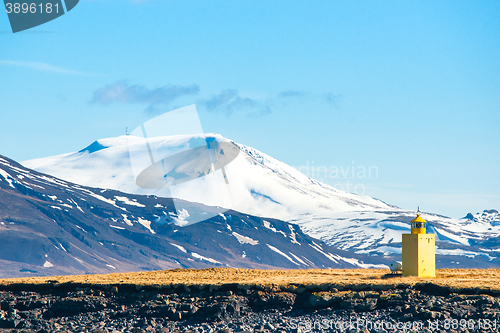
column 408, row 88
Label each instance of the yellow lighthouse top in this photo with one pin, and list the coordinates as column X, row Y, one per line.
column 418, row 224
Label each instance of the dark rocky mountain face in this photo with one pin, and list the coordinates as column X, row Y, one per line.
column 49, row 226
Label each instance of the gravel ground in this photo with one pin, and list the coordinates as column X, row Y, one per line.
column 420, row 308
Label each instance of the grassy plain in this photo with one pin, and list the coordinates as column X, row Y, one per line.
column 481, row 279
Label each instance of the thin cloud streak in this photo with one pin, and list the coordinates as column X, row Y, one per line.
column 229, row 101
column 40, row 66
column 292, row 94
column 331, row 98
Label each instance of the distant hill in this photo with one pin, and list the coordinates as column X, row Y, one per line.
column 49, row 226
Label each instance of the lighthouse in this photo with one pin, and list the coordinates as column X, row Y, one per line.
column 419, row 250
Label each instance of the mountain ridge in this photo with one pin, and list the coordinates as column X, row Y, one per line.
column 73, row 229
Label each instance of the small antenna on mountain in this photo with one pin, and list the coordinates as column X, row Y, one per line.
column 126, row 130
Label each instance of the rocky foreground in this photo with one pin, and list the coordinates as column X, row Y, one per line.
column 73, row 307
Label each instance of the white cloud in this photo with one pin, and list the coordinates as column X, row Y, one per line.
column 123, row 92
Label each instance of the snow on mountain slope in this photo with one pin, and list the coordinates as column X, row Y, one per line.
column 263, row 186
column 259, row 184
column 380, row 231
column 488, row 218
column 73, row 229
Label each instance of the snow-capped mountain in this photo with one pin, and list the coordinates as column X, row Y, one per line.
column 458, row 242
column 49, row 226
column 263, row 186
column 487, row 217
column 259, row 184
column 488, row 221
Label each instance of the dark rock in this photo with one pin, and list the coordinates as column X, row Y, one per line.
column 257, row 310
column 275, row 300
column 269, row 326
column 323, row 299
column 174, row 314
column 137, row 330
column 368, row 304
column 9, row 322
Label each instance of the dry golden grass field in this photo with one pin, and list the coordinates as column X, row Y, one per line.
column 456, row 279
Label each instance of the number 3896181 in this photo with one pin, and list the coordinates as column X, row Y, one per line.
column 32, row 8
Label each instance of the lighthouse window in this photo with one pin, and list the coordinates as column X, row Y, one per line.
column 418, row 225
